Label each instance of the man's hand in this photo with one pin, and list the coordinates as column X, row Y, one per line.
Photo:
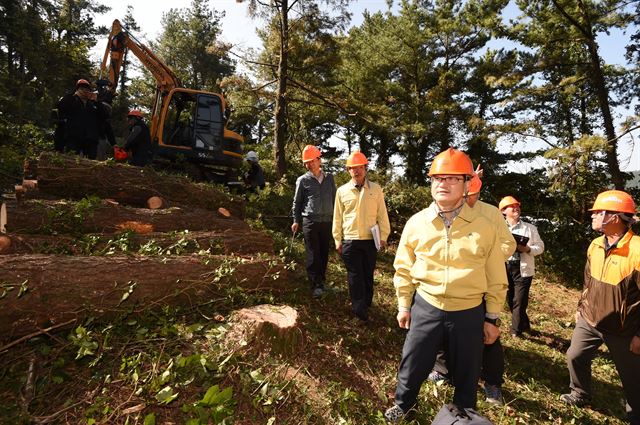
column 339, row 249
column 634, row 347
column 491, row 333
column 294, row 227
column 479, row 171
column 404, row 319
column 383, row 245
column 523, row 248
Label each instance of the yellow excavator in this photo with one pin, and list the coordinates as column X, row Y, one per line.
column 187, row 126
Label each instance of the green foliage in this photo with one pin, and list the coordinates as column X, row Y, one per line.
column 70, row 220
column 216, row 406
column 190, row 45
column 84, row 341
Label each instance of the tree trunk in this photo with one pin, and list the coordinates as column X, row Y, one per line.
column 597, row 78
column 69, row 217
column 39, row 291
column 73, row 177
column 280, row 122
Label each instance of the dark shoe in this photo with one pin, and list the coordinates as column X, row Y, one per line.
column 436, row 377
column 515, row 334
column 494, row 394
column 394, row 414
column 572, row 399
column 533, row 332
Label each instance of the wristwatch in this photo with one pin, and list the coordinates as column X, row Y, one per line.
column 494, row 322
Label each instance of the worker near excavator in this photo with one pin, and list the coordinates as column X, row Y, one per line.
column 254, row 178
column 359, row 210
column 80, row 120
column 450, row 283
column 493, row 354
column 139, row 139
column 313, row 208
column 609, row 306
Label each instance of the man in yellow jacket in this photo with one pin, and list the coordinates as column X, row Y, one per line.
column 450, row 283
column 359, row 207
column 493, row 355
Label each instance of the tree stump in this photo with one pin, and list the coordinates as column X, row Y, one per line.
column 266, row 327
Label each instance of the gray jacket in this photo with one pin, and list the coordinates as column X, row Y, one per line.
column 312, row 199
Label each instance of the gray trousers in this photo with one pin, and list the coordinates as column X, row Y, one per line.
column 584, row 347
column 461, row 335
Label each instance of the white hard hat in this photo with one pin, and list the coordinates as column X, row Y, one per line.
column 251, row 156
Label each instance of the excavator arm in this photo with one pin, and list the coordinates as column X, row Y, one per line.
column 120, row 40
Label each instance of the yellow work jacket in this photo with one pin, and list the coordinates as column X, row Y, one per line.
column 507, row 243
column 452, row 269
column 355, row 212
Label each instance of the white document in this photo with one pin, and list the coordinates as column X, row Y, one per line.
column 3, row 218
column 375, row 231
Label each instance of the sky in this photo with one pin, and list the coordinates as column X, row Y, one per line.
column 240, row 30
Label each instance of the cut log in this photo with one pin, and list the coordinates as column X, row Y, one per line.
column 44, row 290
column 224, row 212
column 30, row 185
column 5, row 244
column 178, row 243
column 156, row 202
column 266, row 327
column 73, row 177
column 68, row 217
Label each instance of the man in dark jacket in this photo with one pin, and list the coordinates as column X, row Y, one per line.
column 313, row 207
column 139, row 139
column 82, row 117
column 609, row 307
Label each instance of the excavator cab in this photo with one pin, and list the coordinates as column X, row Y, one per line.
column 192, row 126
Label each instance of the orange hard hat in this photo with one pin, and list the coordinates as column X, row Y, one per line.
column 83, row 83
column 135, row 113
column 309, row 153
column 474, row 185
column 356, row 159
column 119, row 154
column 616, row 201
column 451, row 161
column 506, row 201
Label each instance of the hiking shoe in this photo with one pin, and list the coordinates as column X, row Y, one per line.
column 317, row 292
column 394, row 414
column 572, row 399
column 494, row 394
column 436, row 377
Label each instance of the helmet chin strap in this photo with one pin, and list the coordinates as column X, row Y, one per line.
column 604, row 223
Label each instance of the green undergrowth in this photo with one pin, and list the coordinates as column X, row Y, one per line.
column 176, row 366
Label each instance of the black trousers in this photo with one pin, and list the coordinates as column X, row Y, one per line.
column 461, row 335
column 585, row 342
column 492, row 363
column 86, row 147
column 359, row 258
column 317, row 241
column 518, row 298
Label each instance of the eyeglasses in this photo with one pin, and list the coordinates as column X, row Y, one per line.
column 602, row 213
column 446, row 179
